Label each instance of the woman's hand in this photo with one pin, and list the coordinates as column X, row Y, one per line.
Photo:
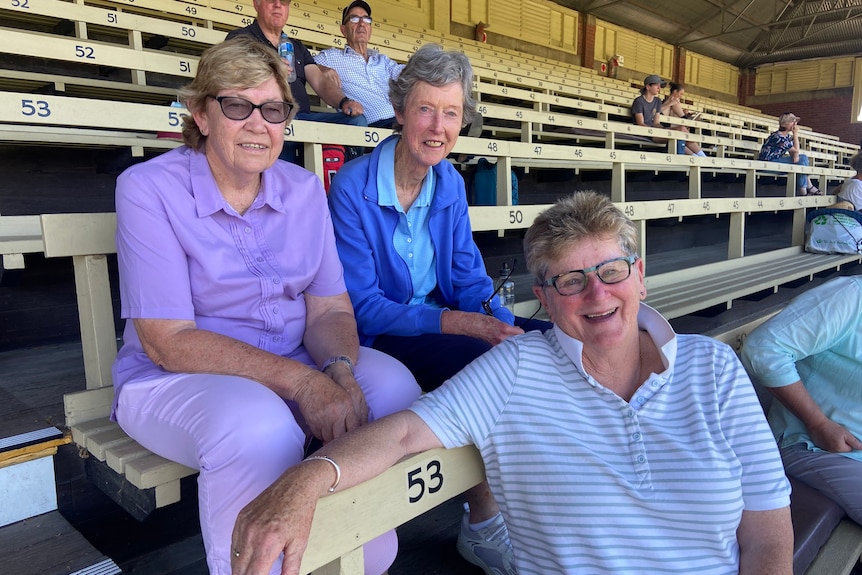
column 833, row 437
column 278, row 520
column 341, row 374
column 327, row 407
column 485, row 327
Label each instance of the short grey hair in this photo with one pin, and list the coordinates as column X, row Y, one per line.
column 856, row 162
column 434, row 65
column 572, row 219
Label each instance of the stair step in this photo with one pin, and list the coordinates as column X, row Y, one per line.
column 27, row 483
column 48, row 545
column 25, row 439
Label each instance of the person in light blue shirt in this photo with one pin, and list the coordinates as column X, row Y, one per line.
column 364, row 71
column 810, row 358
column 413, row 271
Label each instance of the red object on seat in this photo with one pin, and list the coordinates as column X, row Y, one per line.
column 333, row 159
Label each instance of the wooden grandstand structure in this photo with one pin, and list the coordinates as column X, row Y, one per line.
column 539, row 114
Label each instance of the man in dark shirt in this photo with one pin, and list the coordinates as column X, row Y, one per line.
column 266, row 28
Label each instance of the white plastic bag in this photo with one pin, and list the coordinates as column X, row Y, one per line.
column 833, row 231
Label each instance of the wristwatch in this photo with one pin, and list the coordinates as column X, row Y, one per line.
column 338, row 359
column 343, row 101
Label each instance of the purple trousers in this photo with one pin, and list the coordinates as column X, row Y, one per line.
column 242, row 437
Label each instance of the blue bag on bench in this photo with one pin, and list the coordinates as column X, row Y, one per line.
column 485, row 184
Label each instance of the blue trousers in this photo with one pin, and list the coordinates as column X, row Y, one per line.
column 333, row 118
column 292, row 151
column 433, row 358
column 801, row 179
column 832, row 474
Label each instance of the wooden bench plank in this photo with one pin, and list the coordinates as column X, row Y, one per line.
column 118, row 456
column 349, row 518
column 98, row 443
column 679, row 293
column 153, row 470
column 85, row 406
column 19, row 235
column 81, row 431
column 841, row 553
column 95, row 53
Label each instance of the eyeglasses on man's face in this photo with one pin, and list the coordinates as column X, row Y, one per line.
column 609, row 272
column 236, row 108
column 354, row 19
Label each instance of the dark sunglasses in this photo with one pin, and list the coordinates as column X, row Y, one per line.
column 236, row 108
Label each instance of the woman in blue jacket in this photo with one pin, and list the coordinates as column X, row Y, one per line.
column 414, row 274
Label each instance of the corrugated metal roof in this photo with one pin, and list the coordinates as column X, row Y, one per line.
column 745, row 33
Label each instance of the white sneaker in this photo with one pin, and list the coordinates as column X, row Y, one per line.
column 488, row 548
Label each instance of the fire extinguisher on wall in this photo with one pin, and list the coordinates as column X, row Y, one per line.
column 614, row 63
column 481, row 36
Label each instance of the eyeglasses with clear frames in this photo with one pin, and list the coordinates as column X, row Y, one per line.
column 609, row 272
column 236, row 108
column 356, row 19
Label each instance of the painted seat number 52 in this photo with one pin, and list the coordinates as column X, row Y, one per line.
column 419, row 484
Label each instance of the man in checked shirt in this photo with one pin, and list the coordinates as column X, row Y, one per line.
column 364, row 71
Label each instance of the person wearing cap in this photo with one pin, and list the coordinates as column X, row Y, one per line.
column 364, row 71
column 783, row 146
column 647, row 110
column 267, row 27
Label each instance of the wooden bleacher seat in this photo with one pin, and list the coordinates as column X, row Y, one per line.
column 62, row 120
column 344, row 521
column 678, row 293
column 322, row 28
column 19, row 235
column 43, row 83
column 87, row 239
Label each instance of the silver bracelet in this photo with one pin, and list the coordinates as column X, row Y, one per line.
column 335, row 465
column 338, row 359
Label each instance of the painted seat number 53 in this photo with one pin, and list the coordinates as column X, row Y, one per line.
column 419, row 482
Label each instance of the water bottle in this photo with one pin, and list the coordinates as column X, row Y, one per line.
column 507, row 288
column 285, row 50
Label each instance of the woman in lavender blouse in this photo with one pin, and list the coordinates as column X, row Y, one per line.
column 241, row 342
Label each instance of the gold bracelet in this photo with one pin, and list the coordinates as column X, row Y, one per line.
column 335, row 465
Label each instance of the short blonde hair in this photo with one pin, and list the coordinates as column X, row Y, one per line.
column 571, row 219
column 240, row 63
